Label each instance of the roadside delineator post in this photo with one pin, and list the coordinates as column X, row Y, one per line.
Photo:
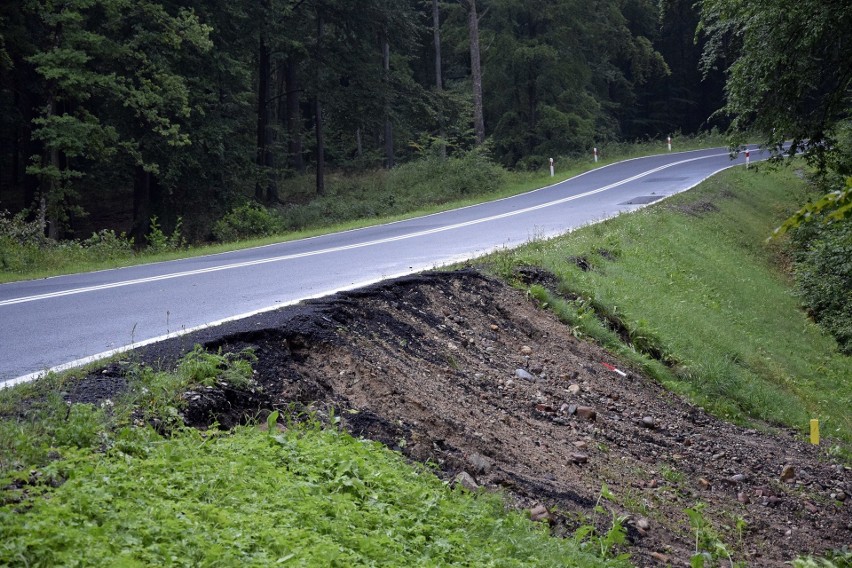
column 748, row 154
column 815, row 432
column 551, row 167
column 596, row 155
column 669, row 142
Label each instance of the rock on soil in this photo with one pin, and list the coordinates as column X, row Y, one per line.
column 464, row 371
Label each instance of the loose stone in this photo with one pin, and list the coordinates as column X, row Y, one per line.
column 524, row 374
column 587, row 412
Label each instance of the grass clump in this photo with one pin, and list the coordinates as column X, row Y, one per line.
column 690, row 291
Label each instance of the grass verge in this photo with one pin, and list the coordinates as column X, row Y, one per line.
column 690, row 291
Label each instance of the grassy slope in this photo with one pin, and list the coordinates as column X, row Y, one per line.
column 701, row 288
column 304, row 497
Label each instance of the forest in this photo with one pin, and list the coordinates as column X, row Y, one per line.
column 117, row 112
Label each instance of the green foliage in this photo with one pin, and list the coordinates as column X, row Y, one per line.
column 420, row 184
column 158, row 395
column 785, row 76
column 246, row 222
column 198, row 367
column 107, row 245
column 307, row 496
column 24, row 248
column 709, row 547
column 835, row 559
column 159, row 242
column 833, row 206
column 823, row 273
column 605, row 545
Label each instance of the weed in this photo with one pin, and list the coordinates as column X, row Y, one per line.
column 605, row 545
column 709, row 547
column 671, row 475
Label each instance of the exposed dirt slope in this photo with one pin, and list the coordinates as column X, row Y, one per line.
column 463, row 371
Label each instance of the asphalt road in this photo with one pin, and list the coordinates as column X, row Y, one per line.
column 66, row 321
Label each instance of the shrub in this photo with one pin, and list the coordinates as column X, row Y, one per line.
column 824, row 278
column 246, row 222
column 159, row 241
column 106, row 245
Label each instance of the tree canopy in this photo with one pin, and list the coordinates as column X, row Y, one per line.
column 125, row 110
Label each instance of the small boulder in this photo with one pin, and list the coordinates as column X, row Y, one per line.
column 465, row 480
column 788, row 474
column 587, row 413
column 524, row 374
column 480, row 463
column 540, row 513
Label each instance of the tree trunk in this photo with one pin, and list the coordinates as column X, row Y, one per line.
column 265, row 187
column 318, row 110
column 47, row 220
column 476, row 72
column 436, row 36
column 294, row 118
column 389, row 162
column 141, row 205
column 439, row 85
column 262, row 117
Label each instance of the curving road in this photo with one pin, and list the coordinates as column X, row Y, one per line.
column 61, row 322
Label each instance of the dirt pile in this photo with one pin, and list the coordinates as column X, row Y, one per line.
column 463, row 371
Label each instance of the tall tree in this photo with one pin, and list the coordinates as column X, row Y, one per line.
column 475, row 70
column 790, row 73
column 439, row 83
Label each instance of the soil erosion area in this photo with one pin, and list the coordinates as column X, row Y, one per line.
column 461, row 370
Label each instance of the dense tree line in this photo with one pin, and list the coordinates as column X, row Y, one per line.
column 128, row 110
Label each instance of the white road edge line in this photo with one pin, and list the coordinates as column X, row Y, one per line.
column 364, row 244
column 92, row 358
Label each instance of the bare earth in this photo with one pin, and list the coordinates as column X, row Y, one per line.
column 468, row 373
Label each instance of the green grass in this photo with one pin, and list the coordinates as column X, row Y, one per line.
column 97, row 486
column 352, row 201
column 702, row 302
column 304, row 497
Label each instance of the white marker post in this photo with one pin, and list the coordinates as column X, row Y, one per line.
column 748, row 158
column 551, row 167
column 669, row 141
column 596, row 155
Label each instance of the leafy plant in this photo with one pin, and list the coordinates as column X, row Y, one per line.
column 246, row 222
column 159, row 242
column 605, row 545
column 823, row 273
column 708, row 545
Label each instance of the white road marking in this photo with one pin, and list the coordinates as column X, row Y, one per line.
column 282, row 258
